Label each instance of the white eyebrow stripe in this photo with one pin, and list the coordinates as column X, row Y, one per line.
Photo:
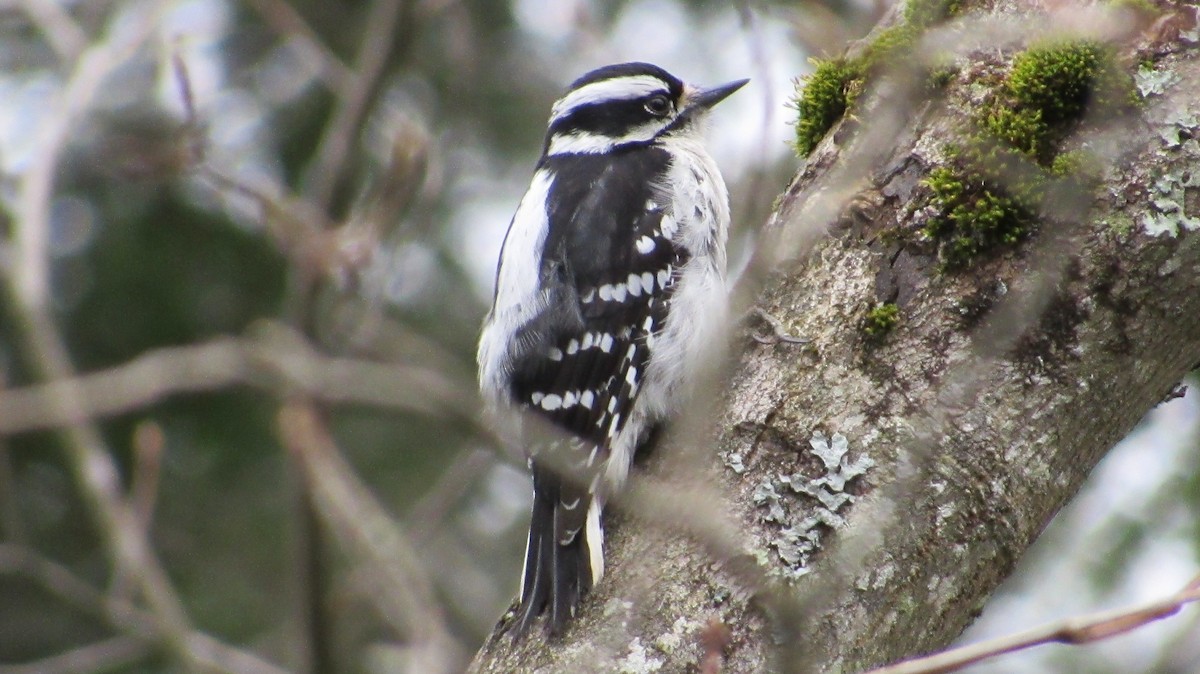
column 619, row 88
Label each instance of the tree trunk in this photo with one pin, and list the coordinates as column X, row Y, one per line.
column 867, row 491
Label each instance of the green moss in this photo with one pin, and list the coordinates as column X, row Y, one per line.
column 827, row 93
column 830, row 90
column 972, row 220
column 941, row 77
column 1057, row 79
column 990, row 191
column 1076, row 163
column 1050, row 88
column 889, row 43
column 880, row 320
column 1021, row 129
column 1143, row 8
column 923, row 13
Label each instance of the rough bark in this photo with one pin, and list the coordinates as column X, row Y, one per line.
column 967, row 426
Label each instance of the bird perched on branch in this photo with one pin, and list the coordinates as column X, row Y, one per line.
column 610, row 294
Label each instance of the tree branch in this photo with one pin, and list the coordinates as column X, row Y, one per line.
column 398, row 585
column 1075, row 631
column 276, row 360
column 122, row 615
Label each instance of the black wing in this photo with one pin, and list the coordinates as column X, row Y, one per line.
column 607, row 251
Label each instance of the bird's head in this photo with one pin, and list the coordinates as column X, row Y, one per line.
column 627, row 103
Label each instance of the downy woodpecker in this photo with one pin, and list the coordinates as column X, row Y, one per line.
column 610, row 294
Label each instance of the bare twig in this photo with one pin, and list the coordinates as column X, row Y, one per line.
column 290, row 25
column 30, row 272
column 425, row 517
column 64, row 35
column 341, row 132
column 143, row 491
column 387, row 560
column 121, row 614
column 11, row 526
column 148, row 446
column 98, row 479
column 271, row 362
column 1075, row 631
column 102, row 656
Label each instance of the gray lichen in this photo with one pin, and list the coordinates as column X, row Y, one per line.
column 639, row 660
column 799, row 540
column 1170, row 198
column 1153, row 82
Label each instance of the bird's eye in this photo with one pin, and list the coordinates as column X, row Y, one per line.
column 658, row 106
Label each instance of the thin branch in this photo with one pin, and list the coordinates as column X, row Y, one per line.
column 64, row 35
column 342, row 130
column 32, row 225
column 98, row 479
column 426, row 516
column 272, row 362
column 12, row 528
column 289, row 24
column 102, row 656
column 385, row 557
column 147, row 444
column 123, row 615
column 1074, row 631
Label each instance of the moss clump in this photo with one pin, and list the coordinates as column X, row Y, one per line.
column 1143, row 8
column 941, row 77
column 924, row 13
column 832, row 87
column 1050, row 88
column 828, row 92
column 989, row 193
column 972, row 220
column 880, row 320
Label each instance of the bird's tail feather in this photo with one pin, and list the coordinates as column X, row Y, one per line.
column 558, row 575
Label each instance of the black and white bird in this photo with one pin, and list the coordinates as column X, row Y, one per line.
column 610, row 294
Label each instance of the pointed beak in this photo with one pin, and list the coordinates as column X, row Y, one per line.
column 707, row 98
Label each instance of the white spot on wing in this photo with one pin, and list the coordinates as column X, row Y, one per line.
column 572, row 347
column 588, row 296
column 606, row 292
column 552, row 402
column 645, row 245
column 634, row 283
column 606, row 343
column 648, row 281
column 587, row 398
column 555, row 354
